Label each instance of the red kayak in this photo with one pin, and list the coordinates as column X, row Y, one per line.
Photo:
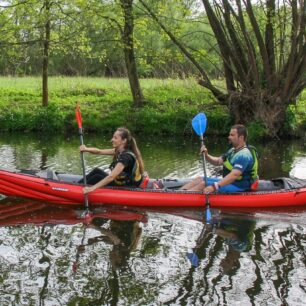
column 59, row 188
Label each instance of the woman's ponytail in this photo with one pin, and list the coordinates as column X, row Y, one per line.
column 137, row 153
column 132, row 145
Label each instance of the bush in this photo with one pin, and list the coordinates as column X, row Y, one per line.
column 107, row 103
column 48, row 119
column 256, row 130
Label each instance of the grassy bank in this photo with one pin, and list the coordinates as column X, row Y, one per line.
column 107, row 104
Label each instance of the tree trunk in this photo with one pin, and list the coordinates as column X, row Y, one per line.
column 271, row 111
column 46, row 42
column 128, row 48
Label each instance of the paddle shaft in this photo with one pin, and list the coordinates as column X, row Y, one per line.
column 205, row 174
column 77, row 257
column 83, row 167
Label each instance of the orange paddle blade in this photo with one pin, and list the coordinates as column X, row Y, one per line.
column 78, row 115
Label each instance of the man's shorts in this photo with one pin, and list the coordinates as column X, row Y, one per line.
column 226, row 188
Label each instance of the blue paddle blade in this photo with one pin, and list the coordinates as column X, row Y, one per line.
column 199, row 123
column 193, row 258
column 208, row 215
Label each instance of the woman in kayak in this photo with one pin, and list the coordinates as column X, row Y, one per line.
column 127, row 167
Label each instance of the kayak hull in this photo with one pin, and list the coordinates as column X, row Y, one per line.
column 56, row 191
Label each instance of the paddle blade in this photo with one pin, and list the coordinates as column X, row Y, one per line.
column 208, row 215
column 78, row 116
column 193, row 258
column 199, row 123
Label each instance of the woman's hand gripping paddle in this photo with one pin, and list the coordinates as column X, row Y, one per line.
column 78, row 116
column 199, row 123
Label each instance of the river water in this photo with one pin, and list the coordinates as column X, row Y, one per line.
column 55, row 256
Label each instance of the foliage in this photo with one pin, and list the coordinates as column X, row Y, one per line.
column 290, row 122
column 107, row 104
column 89, row 43
column 256, row 130
column 169, row 107
column 296, row 117
column 23, row 33
column 47, row 119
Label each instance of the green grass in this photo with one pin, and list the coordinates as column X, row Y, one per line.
column 107, row 103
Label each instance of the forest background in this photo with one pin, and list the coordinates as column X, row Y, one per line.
column 153, row 65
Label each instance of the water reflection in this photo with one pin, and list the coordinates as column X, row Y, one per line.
column 163, row 158
column 123, row 236
column 138, row 256
column 298, row 168
column 237, row 234
column 53, row 244
column 14, row 212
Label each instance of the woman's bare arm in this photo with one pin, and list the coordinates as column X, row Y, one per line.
column 83, row 148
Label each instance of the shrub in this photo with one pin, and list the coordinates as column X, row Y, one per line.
column 256, row 130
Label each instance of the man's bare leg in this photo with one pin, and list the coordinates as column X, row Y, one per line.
column 195, row 185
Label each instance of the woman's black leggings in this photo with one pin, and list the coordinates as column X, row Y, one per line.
column 95, row 176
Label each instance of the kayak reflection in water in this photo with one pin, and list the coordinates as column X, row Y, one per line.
column 124, row 236
column 238, row 234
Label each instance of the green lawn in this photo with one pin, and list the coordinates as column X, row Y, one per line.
column 107, row 103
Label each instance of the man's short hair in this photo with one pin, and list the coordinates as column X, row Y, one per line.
column 241, row 130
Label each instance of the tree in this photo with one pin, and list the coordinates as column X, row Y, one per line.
column 110, row 27
column 46, row 44
column 14, row 38
column 62, row 19
column 34, row 29
column 86, row 38
column 128, row 49
column 262, row 47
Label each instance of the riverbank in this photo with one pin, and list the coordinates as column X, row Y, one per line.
column 107, row 103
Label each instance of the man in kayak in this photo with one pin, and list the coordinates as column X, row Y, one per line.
column 240, row 166
column 127, row 167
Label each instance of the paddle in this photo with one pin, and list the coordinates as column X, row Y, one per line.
column 199, row 123
column 193, row 256
column 78, row 116
column 80, row 249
